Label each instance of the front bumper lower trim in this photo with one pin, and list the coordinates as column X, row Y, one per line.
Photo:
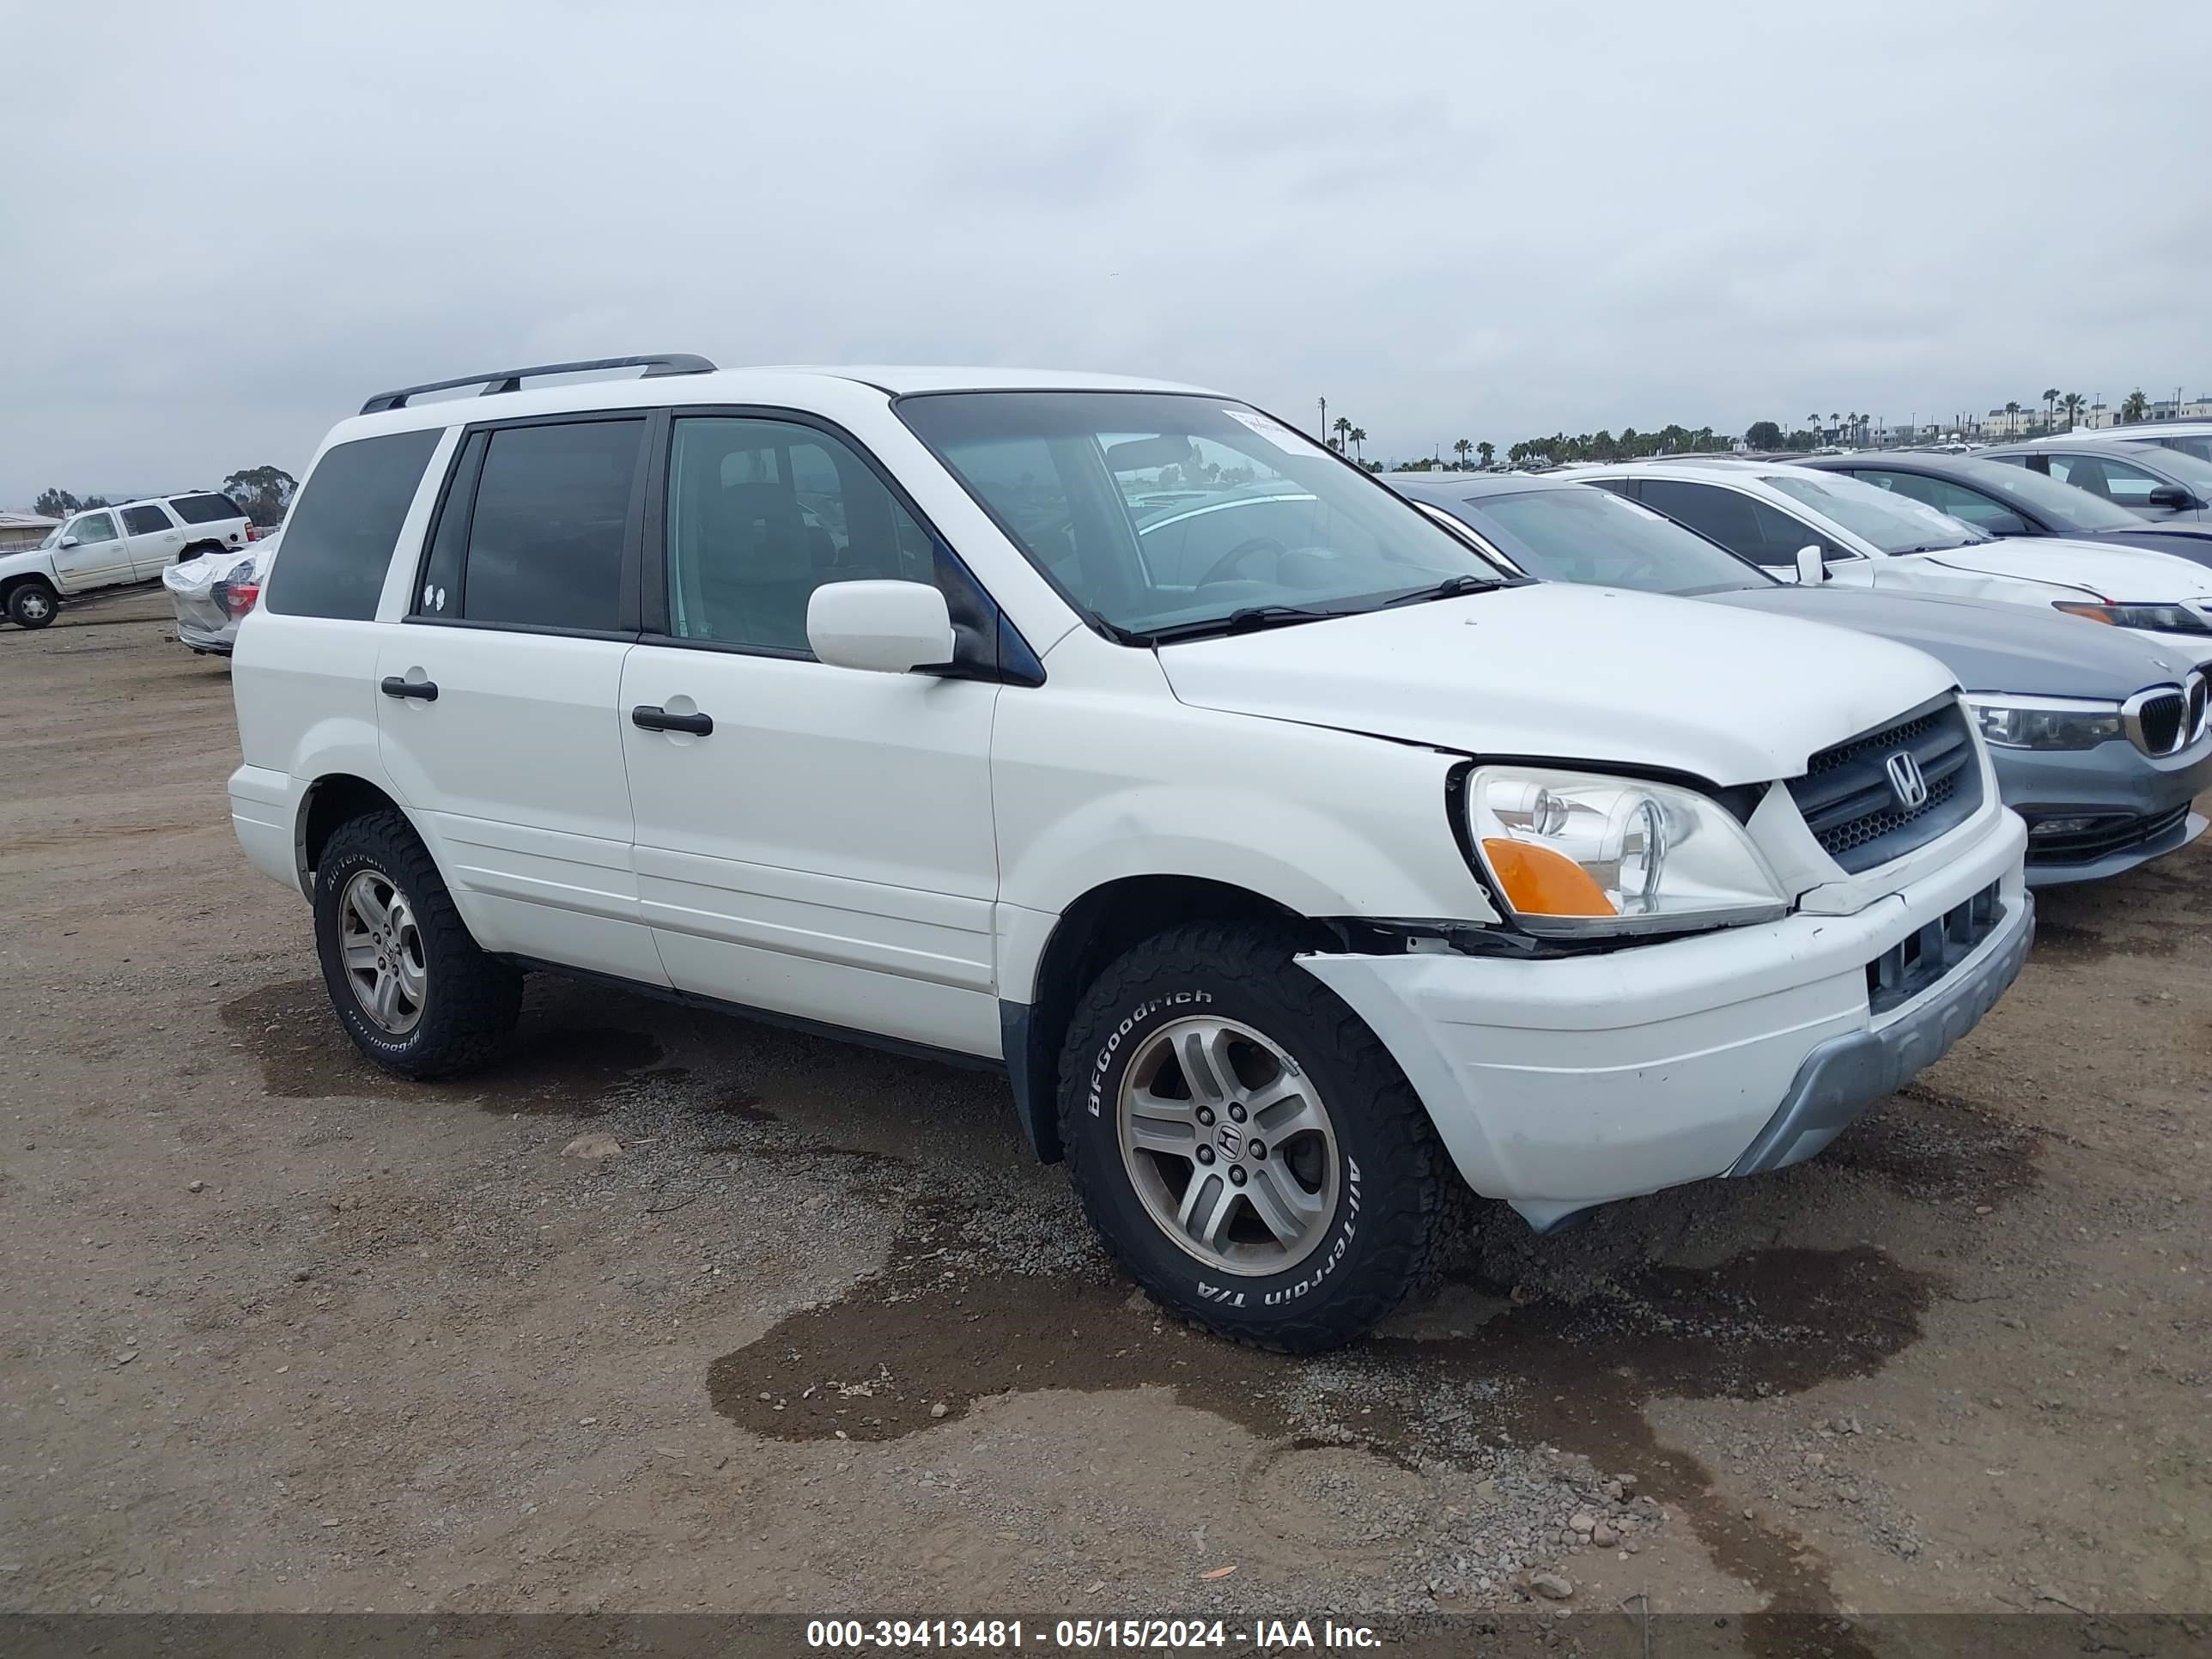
column 1846, row 1075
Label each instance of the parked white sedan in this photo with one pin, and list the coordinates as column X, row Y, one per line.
column 1771, row 514
column 212, row 592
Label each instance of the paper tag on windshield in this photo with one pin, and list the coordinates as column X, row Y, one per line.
column 1283, row 438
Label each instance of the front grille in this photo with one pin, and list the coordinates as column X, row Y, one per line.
column 2159, row 720
column 1925, row 956
column 1854, row 810
column 2098, row 836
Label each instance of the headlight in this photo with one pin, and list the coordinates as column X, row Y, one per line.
column 2157, row 619
column 2011, row 722
column 1580, row 854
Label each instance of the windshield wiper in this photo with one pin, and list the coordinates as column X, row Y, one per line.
column 1449, row 588
column 1245, row 621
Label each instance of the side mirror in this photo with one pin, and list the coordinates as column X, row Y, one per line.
column 69, row 541
column 887, row 627
column 2001, row 524
column 2171, row 496
column 1812, row 568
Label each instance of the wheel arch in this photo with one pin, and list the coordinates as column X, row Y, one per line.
column 331, row 800
column 1090, row 933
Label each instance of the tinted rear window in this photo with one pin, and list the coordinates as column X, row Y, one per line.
column 552, row 510
column 144, row 520
column 339, row 540
column 205, row 509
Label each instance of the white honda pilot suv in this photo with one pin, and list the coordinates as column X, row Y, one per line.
column 1292, row 862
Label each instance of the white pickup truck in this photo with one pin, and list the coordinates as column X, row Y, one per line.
column 104, row 546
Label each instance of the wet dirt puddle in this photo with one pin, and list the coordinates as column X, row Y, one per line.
column 560, row 1064
column 879, row 1364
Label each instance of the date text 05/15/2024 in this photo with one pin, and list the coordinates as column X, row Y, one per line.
column 1085, row 1635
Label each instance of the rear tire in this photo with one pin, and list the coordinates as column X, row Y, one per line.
column 1283, row 1187
column 32, row 603
column 406, row 980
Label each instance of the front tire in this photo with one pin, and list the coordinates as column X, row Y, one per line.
column 1248, row 1149
column 406, row 980
column 32, row 604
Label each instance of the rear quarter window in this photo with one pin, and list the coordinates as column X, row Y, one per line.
column 205, row 509
column 338, row 539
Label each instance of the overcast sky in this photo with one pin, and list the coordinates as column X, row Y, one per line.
column 224, row 225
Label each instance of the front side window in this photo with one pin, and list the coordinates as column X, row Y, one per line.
column 545, row 536
column 339, row 537
column 1159, row 513
column 1892, row 524
column 1585, row 535
column 147, row 521
column 1741, row 523
column 761, row 513
column 92, row 528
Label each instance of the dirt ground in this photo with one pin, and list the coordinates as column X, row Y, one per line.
column 283, row 1334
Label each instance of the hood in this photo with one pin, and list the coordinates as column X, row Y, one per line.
column 1990, row 648
column 1559, row 672
column 2187, row 540
column 2119, row 573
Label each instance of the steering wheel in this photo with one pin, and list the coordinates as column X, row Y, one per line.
column 1224, row 567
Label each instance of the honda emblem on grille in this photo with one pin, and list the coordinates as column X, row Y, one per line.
column 1906, row 779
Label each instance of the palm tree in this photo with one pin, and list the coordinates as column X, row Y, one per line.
column 1342, row 427
column 2071, row 403
column 2050, row 406
column 2012, row 423
column 1813, row 422
column 1835, row 421
column 1461, row 449
column 2135, row 406
column 1356, row 437
column 1485, row 449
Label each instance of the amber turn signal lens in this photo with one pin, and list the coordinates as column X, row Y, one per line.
column 1539, row 882
column 2096, row 613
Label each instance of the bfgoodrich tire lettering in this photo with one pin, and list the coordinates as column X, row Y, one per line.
column 467, row 1001
column 1337, row 1101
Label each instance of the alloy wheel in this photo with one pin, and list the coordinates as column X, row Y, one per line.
column 1229, row 1145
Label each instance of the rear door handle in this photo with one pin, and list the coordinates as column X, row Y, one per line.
column 652, row 717
column 396, row 687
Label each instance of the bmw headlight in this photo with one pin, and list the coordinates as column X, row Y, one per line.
column 2019, row 722
column 1582, row 853
column 2154, row 618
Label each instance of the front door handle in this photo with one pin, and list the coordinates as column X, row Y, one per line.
column 396, row 687
column 652, row 717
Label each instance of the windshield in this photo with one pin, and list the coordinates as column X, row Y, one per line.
column 1892, row 523
column 1580, row 534
column 1160, row 512
column 2185, row 460
column 2194, row 445
column 2065, row 505
column 54, row 537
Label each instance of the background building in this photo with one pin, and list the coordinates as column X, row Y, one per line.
column 19, row 530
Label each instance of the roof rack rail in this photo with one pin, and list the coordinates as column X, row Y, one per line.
column 511, row 379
